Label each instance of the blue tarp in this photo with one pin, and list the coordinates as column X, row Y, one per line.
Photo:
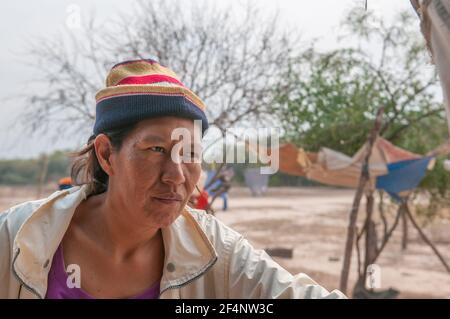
column 403, row 176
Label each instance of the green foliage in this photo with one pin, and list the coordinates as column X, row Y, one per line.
column 328, row 103
column 330, row 99
column 27, row 171
column 18, row 172
column 58, row 166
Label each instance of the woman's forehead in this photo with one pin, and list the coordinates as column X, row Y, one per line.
column 167, row 128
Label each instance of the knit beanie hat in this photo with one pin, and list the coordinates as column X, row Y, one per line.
column 141, row 89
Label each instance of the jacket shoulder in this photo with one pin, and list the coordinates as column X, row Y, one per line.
column 18, row 214
column 219, row 234
column 15, row 216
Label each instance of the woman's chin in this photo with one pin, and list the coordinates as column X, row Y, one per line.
column 163, row 217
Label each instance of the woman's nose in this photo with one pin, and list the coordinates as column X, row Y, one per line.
column 173, row 172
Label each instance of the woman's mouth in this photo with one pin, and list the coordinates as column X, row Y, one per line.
column 169, row 199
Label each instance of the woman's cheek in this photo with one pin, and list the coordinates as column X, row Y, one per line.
column 144, row 166
column 194, row 171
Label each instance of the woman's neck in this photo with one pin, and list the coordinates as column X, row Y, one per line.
column 120, row 231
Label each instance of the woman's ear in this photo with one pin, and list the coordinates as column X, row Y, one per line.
column 103, row 151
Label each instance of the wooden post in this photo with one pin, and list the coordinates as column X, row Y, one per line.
column 371, row 237
column 351, row 229
column 389, row 233
column 404, row 229
column 416, row 5
column 425, row 238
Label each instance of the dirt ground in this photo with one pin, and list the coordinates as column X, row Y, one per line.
column 313, row 221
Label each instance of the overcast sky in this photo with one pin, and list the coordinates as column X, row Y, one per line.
column 22, row 20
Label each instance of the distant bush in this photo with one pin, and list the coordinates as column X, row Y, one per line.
column 28, row 171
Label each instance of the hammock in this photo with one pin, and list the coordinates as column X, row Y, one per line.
column 390, row 167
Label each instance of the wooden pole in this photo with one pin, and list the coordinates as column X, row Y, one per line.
column 425, row 238
column 416, row 5
column 441, row 150
column 371, row 237
column 364, row 178
column 404, row 230
column 389, row 233
column 381, row 211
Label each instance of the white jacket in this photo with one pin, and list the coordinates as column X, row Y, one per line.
column 203, row 257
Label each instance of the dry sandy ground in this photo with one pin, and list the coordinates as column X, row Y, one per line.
column 313, row 222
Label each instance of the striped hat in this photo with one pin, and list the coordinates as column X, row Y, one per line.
column 141, row 89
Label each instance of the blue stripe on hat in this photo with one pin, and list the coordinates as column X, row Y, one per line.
column 120, row 111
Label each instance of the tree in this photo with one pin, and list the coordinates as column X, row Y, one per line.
column 330, row 99
column 231, row 61
column 30, row 171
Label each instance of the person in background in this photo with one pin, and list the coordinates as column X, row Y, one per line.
column 221, row 185
column 65, row 183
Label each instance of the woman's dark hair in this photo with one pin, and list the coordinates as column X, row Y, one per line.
column 87, row 170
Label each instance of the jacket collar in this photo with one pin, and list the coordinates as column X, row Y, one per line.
column 188, row 251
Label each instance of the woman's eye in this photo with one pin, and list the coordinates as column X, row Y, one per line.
column 158, row 149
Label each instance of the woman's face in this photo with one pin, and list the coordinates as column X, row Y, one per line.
column 154, row 174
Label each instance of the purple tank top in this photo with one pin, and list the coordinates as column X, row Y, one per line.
column 57, row 283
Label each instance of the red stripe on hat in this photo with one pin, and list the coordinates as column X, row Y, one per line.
column 149, row 79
